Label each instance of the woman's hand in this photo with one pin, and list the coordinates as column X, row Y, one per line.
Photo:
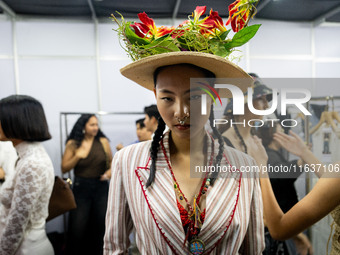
column 106, row 176
column 72, row 155
column 292, row 143
column 81, row 152
column 303, row 245
column 119, row 146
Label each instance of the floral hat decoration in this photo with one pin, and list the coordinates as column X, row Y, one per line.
column 201, row 42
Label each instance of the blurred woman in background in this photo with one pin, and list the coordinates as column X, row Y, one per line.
column 88, row 153
column 240, row 134
column 25, row 195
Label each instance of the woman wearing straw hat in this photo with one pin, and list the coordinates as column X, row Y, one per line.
column 152, row 188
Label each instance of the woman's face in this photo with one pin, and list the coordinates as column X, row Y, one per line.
column 260, row 103
column 143, row 133
column 91, row 127
column 176, row 99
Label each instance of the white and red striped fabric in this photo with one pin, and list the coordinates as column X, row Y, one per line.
column 234, row 200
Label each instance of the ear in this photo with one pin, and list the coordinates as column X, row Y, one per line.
column 154, row 91
column 154, row 120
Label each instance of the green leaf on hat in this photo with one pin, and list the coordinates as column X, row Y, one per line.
column 162, row 46
column 218, row 48
column 224, row 35
column 242, row 37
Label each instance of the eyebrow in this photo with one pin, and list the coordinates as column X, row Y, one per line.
column 188, row 91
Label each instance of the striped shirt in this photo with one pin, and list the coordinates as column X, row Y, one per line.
column 233, row 222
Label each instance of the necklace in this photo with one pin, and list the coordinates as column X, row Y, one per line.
column 196, row 245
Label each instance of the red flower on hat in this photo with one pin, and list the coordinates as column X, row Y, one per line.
column 240, row 12
column 178, row 32
column 164, row 31
column 198, row 12
column 214, row 21
column 140, row 29
column 148, row 28
column 208, row 34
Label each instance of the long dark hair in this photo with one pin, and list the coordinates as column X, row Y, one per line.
column 161, row 127
column 77, row 133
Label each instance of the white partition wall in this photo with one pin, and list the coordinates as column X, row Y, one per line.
column 7, row 76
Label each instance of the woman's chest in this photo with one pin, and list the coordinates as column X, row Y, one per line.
column 155, row 212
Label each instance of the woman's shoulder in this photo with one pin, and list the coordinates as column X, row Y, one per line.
column 71, row 145
column 71, row 142
column 103, row 139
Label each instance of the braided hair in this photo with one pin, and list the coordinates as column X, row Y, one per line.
column 154, row 150
column 220, row 139
column 240, row 137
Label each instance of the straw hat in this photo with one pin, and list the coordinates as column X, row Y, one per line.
column 142, row 71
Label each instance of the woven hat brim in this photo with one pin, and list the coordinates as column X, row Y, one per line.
column 142, row 71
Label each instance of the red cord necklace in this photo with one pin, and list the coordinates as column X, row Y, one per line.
column 196, row 246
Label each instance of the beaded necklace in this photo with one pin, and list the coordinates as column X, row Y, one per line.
column 196, row 246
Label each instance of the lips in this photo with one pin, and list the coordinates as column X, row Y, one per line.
column 182, row 127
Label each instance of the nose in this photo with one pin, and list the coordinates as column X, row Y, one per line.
column 182, row 110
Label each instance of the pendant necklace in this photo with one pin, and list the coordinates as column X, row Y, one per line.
column 196, row 245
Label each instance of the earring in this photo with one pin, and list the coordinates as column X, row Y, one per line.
column 84, row 131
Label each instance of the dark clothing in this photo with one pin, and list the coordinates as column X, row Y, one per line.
column 87, row 221
column 283, row 188
column 285, row 194
column 94, row 165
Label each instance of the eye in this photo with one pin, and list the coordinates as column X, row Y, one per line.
column 195, row 97
column 166, row 99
